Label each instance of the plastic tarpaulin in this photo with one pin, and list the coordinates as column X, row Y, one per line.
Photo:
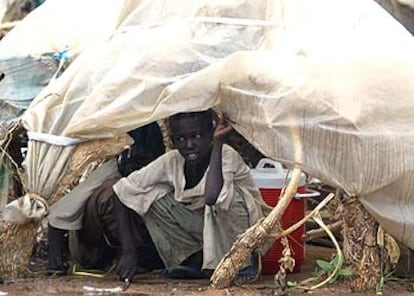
column 190, row 45
column 22, row 79
column 145, row 61
column 57, row 24
column 140, row 62
column 402, row 10
column 338, row 71
column 54, row 26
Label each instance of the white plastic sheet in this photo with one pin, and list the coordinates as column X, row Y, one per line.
column 59, row 23
column 339, row 71
column 139, row 60
column 402, row 10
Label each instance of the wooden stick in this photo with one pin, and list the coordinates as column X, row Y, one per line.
column 314, row 233
column 253, row 238
column 295, row 226
column 258, row 234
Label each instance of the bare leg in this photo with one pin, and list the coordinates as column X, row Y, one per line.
column 57, row 246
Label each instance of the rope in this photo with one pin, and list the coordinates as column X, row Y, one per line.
column 92, row 272
column 40, row 199
column 29, row 207
column 53, row 139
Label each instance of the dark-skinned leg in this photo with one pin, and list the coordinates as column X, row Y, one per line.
column 91, row 247
column 57, row 245
column 148, row 257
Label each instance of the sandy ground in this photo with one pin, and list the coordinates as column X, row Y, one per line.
column 155, row 284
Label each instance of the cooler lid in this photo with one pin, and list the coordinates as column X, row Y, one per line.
column 273, row 177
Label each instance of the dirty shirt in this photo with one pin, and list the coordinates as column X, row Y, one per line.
column 157, row 193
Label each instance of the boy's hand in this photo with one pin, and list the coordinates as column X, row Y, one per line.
column 222, row 127
column 127, row 266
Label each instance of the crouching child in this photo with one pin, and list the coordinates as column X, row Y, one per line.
column 192, row 201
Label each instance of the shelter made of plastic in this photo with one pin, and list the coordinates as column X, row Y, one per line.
column 338, row 71
column 22, row 78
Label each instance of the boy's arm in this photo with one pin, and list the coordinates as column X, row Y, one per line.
column 214, row 180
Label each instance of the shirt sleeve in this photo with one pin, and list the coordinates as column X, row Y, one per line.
column 154, row 173
column 141, row 188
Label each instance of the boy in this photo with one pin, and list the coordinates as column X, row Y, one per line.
column 194, row 201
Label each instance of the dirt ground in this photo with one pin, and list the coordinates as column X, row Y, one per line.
column 155, row 284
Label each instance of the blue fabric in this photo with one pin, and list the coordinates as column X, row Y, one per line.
column 22, row 79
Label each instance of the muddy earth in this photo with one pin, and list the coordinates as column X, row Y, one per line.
column 155, row 284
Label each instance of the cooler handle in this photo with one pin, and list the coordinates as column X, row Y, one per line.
column 267, row 161
column 309, row 194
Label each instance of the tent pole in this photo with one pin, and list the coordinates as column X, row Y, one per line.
column 363, row 255
column 257, row 235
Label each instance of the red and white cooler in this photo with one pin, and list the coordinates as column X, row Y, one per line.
column 270, row 181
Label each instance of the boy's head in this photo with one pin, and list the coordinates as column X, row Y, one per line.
column 192, row 134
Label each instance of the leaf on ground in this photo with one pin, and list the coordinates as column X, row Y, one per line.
column 324, row 265
column 344, row 272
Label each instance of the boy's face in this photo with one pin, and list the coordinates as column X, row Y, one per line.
column 192, row 138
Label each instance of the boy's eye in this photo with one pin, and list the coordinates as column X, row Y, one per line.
column 181, row 139
column 197, row 136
